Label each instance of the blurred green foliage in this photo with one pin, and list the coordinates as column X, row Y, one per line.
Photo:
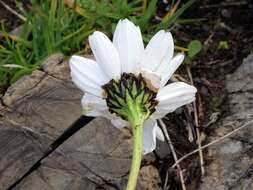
column 57, row 26
column 194, row 47
column 223, row 45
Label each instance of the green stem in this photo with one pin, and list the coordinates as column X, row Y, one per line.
column 137, row 128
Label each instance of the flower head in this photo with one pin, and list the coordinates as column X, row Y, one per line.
column 128, row 80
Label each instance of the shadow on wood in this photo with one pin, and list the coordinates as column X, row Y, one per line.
column 35, row 111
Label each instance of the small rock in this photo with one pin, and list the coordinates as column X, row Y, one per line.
column 162, row 149
column 149, row 178
column 226, row 13
column 232, row 158
column 231, row 147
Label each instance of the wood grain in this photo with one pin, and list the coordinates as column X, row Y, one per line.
column 34, row 112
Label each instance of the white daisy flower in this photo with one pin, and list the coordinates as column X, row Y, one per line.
column 130, row 79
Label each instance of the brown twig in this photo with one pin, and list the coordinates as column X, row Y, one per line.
column 212, row 143
column 13, row 11
column 177, row 77
column 208, row 40
column 197, row 128
column 165, row 187
column 173, row 153
column 72, row 4
column 227, row 4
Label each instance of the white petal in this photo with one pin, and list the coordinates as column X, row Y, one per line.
column 159, row 134
column 83, row 74
column 174, row 90
column 89, row 69
column 158, row 51
column 151, row 131
column 173, row 96
column 163, row 110
column 128, row 41
column 87, row 86
column 152, row 79
column 172, row 67
column 94, row 106
column 106, row 54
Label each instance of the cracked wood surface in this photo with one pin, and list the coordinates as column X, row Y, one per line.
column 36, row 110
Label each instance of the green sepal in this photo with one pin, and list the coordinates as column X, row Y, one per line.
column 130, row 97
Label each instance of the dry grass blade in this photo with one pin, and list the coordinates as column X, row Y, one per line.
column 201, row 157
column 212, row 143
column 226, row 4
column 173, row 153
column 13, row 11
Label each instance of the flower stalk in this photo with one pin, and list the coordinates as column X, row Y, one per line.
column 137, row 129
column 131, row 99
column 136, row 113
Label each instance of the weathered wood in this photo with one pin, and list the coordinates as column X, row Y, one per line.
column 19, row 148
column 36, row 110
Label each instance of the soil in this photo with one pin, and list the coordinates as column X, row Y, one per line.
column 219, row 22
column 7, row 18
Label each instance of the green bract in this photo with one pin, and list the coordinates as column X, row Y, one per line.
column 130, row 97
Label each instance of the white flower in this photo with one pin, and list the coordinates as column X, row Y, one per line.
column 126, row 54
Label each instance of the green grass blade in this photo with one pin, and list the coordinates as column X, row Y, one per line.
column 149, row 12
column 168, row 21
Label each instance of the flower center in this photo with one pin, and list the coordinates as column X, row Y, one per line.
column 129, row 97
